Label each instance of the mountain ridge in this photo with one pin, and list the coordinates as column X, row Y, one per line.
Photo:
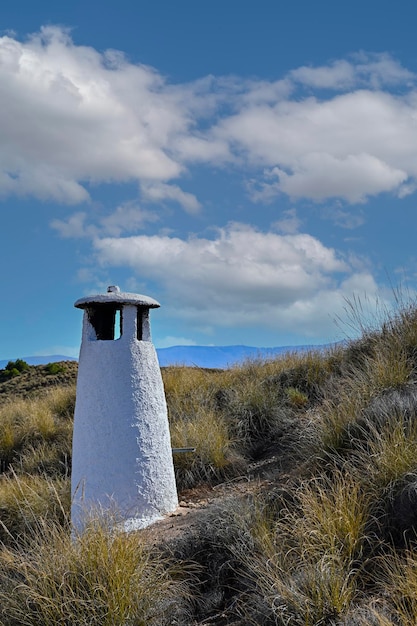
column 222, row 356
column 197, row 356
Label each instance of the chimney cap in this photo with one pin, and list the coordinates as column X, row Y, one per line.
column 114, row 295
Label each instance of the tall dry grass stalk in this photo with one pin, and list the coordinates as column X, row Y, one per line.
column 26, row 501
column 30, row 428
column 398, row 583
column 348, row 395
column 305, row 564
column 382, row 455
column 331, row 516
column 102, row 577
column 214, row 457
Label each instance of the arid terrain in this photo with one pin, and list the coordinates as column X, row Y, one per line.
column 298, row 506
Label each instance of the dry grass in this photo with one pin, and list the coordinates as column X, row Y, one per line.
column 384, row 454
column 237, row 415
column 214, row 458
column 36, row 433
column 102, row 577
column 399, row 580
column 333, row 544
column 304, row 565
column 27, row 501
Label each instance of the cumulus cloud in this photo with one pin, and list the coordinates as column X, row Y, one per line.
column 242, row 276
column 318, row 176
column 73, row 117
column 351, row 146
column 127, row 217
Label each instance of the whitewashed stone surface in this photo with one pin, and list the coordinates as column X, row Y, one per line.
column 122, row 457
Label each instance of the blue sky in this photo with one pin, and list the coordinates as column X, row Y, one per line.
column 251, row 165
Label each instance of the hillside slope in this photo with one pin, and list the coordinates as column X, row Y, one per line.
column 299, row 505
column 37, row 379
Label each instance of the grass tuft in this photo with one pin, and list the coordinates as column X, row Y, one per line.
column 102, row 577
column 27, row 501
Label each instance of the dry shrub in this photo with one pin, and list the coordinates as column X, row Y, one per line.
column 348, row 396
column 238, row 413
column 386, row 455
column 264, row 402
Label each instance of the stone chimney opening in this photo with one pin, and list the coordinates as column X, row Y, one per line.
column 107, row 321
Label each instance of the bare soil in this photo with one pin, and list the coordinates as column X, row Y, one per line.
column 197, row 504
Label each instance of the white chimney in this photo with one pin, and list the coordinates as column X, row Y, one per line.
column 122, row 457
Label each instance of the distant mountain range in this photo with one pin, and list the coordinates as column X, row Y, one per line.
column 39, row 360
column 220, row 356
column 198, row 356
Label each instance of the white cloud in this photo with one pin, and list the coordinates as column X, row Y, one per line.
column 127, row 217
column 319, row 176
column 242, row 277
column 72, row 117
column 338, row 75
column 157, row 192
column 74, row 226
column 375, row 70
column 351, row 146
column 343, row 218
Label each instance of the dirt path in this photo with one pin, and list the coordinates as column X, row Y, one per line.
column 195, row 504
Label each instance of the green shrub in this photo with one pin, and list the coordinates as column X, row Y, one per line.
column 19, row 365
column 13, row 369
column 296, row 398
column 12, row 372
column 55, row 368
